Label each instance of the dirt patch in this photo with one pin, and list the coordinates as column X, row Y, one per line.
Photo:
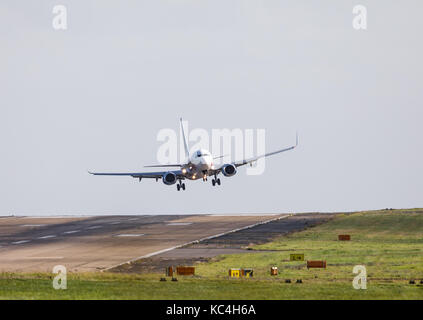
column 154, row 265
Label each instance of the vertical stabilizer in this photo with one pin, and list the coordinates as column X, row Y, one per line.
column 185, row 140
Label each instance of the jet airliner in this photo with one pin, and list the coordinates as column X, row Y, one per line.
column 199, row 165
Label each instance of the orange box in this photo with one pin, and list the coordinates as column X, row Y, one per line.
column 169, row 271
column 316, row 264
column 185, row 271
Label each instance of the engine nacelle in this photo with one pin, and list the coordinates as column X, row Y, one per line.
column 169, row 178
column 228, row 170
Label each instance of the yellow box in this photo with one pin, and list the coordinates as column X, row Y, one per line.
column 234, row 273
column 296, row 257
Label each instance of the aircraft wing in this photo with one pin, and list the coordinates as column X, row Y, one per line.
column 251, row 160
column 139, row 175
column 163, row 165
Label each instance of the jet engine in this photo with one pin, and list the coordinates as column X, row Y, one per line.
column 228, row 170
column 169, row 178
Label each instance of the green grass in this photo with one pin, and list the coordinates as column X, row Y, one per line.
column 389, row 243
column 200, row 289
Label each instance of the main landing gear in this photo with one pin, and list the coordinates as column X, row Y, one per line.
column 215, row 180
column 180, row 186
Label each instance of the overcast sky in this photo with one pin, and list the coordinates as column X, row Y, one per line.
column 95, row 96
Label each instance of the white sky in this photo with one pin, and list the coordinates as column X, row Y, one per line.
column 96, row 95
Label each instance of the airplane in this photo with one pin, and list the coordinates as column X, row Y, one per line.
column 199, row 165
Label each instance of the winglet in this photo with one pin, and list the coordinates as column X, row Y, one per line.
column 296, row 139
column 185, row 140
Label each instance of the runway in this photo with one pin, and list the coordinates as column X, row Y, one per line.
column 37, row 244
column 229, row 243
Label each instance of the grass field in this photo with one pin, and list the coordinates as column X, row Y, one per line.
column 389, row 243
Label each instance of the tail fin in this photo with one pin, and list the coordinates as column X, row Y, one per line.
column 185, row 140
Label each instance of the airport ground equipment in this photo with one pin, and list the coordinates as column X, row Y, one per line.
column 181, row 271
column 344, row 237
column 316, row 264
column 274, row 271
column 185, row 271
column 169, row 271
column 296, row 257
column 237, row 273
column 234, row 273
column 247, row 273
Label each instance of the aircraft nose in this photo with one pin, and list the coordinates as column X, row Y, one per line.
column 206, row 161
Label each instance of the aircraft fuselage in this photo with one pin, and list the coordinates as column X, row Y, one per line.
column 198, row 166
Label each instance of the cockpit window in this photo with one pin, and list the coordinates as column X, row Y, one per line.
column 199, row 154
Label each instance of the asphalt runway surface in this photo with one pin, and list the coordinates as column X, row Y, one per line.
column 37, row 244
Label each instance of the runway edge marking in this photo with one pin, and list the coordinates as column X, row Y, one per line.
column 196, row 241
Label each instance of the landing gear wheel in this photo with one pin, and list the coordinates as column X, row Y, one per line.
column 178, row 187
column 218, row 181
column 183, row 186
column 213, row 182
